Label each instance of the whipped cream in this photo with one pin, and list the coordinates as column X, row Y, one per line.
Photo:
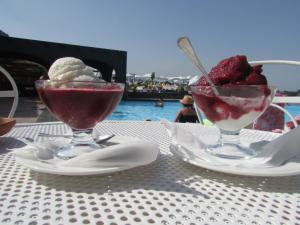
column 231, row 124
column 71, row 69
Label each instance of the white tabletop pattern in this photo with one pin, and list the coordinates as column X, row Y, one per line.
column 168, row 191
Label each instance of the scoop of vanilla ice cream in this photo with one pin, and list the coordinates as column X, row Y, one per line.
column 71, row 69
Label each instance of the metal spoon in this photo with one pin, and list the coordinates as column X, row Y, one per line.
column 99, row 139
column 46, row 151
column 104, row 138
column 186, row 46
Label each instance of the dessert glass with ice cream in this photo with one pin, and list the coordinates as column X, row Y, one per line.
column 74, row 95
column 241, row 95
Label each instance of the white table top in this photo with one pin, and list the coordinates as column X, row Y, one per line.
column 168, row 191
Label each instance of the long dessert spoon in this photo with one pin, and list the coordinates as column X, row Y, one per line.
column 186, row 46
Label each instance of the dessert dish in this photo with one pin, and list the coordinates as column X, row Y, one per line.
column 240, row 95
column 243, row 89
column 75, row 95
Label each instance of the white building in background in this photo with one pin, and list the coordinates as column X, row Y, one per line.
column 134, row 78
column 170, row 87
column 130, row 77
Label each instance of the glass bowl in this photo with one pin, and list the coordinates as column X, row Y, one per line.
column 81, row 105
column 231, row 109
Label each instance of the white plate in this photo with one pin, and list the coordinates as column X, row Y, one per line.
column 291, row 168
column 44, row 167
column 53, row 167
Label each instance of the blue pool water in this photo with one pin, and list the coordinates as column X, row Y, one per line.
column 294, row 110
column 142, row 110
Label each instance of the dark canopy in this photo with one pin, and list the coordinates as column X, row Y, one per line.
column 27, row 60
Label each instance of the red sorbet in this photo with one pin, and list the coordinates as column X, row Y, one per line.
column 234, row 75
column 81, row 108
column 235, row 70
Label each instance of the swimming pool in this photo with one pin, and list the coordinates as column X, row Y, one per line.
column 142, row 110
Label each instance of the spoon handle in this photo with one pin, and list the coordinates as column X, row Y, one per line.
column 186, row 46
column 99, row 139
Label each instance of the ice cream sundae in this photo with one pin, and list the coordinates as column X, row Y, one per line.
column 76, row 96
column 243, row 93
column 239, row 95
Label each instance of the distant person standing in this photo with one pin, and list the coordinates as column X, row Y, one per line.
column 160, row 103
column 187, row 114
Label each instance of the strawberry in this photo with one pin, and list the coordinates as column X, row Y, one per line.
column 235, row 70
column 202, row 81
column 256, row 79
column 258, row 69
column 230, row 70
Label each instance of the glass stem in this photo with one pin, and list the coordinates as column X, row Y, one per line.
column 229, row 137
column 82, row 137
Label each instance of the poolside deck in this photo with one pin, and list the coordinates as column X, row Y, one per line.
column 29, row 110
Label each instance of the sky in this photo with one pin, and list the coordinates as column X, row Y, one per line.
column 148, row 31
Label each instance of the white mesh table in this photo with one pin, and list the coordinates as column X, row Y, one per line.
column 167, row 191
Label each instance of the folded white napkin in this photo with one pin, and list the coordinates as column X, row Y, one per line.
column 269, row 154
column 121, row 151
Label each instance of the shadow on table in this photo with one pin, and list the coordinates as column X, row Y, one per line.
column 150, row 177
column 9, row 143
column 288, row 184
column 167, row 174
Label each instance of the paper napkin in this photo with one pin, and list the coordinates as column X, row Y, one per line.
column 269, row 153
column 121, row 151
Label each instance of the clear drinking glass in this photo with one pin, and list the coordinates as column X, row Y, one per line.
column 235, row 107
column 81, row 105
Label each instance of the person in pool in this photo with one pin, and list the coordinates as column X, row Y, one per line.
column 160, row 103
column 187, row 114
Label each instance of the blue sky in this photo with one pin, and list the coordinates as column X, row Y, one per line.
column 148, row 31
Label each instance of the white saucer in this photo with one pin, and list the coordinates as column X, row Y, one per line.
column 291, row 168
column 53, row 166
column 44, row 167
